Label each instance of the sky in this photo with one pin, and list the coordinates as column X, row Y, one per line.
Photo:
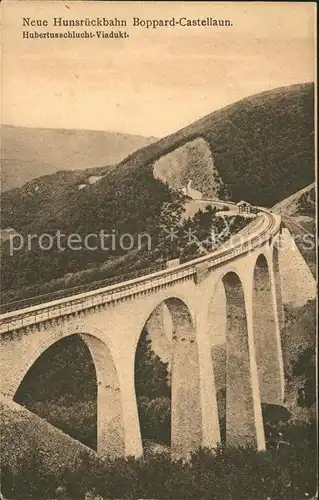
column 157, row 80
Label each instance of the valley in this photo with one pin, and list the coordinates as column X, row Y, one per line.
column 140, row 186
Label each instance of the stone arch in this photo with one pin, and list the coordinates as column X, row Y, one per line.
column 277, row 279
column 110, row 434
column 266, row 334
column 217, row 335
column 159, row 326
column 157, row 303
column 232, row 367
column 152, row 379
column 186, row 433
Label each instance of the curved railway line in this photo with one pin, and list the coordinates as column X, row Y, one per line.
column 49, row 306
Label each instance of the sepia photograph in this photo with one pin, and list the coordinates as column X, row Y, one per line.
column 158, row 250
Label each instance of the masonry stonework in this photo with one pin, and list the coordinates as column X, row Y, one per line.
column 248, row 311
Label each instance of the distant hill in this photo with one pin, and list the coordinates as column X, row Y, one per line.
column 28, row 153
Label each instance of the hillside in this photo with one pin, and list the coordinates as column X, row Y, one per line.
column 298, row 213
column 45, row 435
column 262, row 146
column 262, row 150
column 43, row 198
column 28, row 153
column 259, row 149
column 298, row 204
column 36, row 443
column 298, row 339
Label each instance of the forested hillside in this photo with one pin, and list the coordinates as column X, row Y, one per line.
column 262, row 150
column 263, row 146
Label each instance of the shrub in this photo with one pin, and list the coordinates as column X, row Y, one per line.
column 232, row 474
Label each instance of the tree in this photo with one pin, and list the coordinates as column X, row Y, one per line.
column 151, row 374
column 306, row 366
column 152, row 388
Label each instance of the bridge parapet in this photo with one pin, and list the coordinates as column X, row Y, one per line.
column 49, row 311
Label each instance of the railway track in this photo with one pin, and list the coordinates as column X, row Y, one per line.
column 123, row 282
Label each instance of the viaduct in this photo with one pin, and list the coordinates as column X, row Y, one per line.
column 235, row 289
